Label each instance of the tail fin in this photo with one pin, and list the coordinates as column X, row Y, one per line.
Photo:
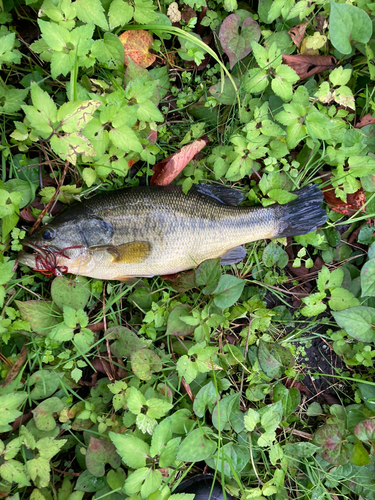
column 304, row 214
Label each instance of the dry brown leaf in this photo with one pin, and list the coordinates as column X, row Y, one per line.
column 297, row 33
column 167, row 170
column 366, row 120
column 354, row 201
column 14, row 371
column 136, row 46
column 306, row 65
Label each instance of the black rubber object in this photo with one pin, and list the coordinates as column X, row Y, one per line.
column 201, row 486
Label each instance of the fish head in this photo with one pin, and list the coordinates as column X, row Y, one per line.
column 56, row 247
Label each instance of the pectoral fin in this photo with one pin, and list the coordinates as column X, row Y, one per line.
column 128, row 253
column 233, row 256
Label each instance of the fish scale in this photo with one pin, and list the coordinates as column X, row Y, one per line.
column 147, row 231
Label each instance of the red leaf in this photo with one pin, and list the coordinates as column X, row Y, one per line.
column 136, row 46
column 354, row 201
column 366, row 120
column 306, row 66
column 167, row 170
column 297, row 34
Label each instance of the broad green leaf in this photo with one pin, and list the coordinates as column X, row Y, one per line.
column 197, row 446
column 274, row 255
column 255, row 81
column 227, row 414
column 41, row 315
column 175, row 325
column 228, row 291
column 91, row 11
column 125, row 139
column 314, row 304
column 120, row 13
column 282, row 83
column 230, row 456
column 9, row 404
column 126, row 341
column 74, row 116
column 236, row 36
column 347, row 23
column 55, row 35
column 342, row 299
column 300, row 450
column 169, row 453
column 205, row 399
column 88, row 483
column 98, row 454
column 208, row 274
column 144, row 11
column 368, row 278
column 187, row 369
column 15, row 472
column 161, row 436
column 290, row 398
column 331, row 439
column 109, row 50
column 144, row 363
column 45, row 382
column 358, row 322
column 274, row 358
column 11, row 100
column 68, row 146
column 133, row 451
column 340, row 76
column 74, row 294
column 44, row 413
column 89, row 176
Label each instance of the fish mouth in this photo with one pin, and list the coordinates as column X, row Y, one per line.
column 41, row 258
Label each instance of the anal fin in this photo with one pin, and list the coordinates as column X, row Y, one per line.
column 233, row 256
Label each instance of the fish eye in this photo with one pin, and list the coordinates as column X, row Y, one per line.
column 49, row 234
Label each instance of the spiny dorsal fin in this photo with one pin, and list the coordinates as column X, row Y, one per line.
column 222, row 194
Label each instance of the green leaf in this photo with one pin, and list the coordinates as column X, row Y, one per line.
column 144, row 362
column 44, row 414
column 6, row 271
column 11, row 99
column 205, row 399
column 74, row 294
column 91, row 11
column 133, row 451
column 40, row 315
column 282, row 83
column 14, row 472
column 108, row 50
column 161, row 436
column 144, row 11
column 125, row 139
column 157, row 408
column 197, row 446
column 55, row 35
column 126, row 341
column 8, row 53
column 119, row 14
column 74, row 116
column 314, row 304
column 68, row 146
column 300, row 450
column 228, row 291
column 89, row 176
column 43, row 113
column 347, row 23
column 256, row 81
column 169, row 453
column 208, row 275
column 187, row 369
column 175, row 325
column 340, row 76
column 9, row 404
column 227, row 414
column 368, row 278
column 274, row 358
column 274, row 255
column 358, row 322
column 290, row 398
column 236, row 36
column 98, row 454
column 342, row 299
column 45, row 382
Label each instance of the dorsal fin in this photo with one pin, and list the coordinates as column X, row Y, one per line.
column 222, row 194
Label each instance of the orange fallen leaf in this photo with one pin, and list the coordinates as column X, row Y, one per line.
column 136, row 46
column 354, row 201
column 297, row 33
column 366, row 120
column 308, row 65
column 168, row 169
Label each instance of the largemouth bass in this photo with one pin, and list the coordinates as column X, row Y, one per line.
column 148, row 231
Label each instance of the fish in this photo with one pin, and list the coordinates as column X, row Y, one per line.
column 147, row 231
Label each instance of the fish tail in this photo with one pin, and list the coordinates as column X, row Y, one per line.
column 304, row 214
